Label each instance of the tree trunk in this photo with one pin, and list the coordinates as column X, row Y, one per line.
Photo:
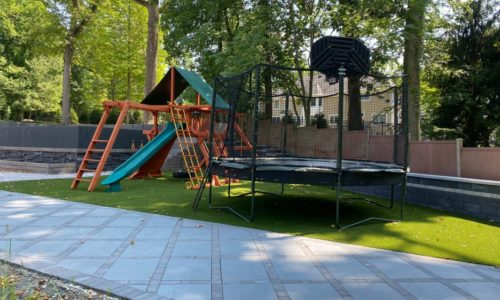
column 76, row 28
column 355, row 120
column 308, row 99
column 129, row 52
column 268, row 91
column 113, row 89
column 152, row 45
column 412, row 52
column 66, row 104
column 268, row 58
column 151, row 51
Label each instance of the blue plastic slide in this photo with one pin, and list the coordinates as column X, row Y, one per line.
column 139, row 158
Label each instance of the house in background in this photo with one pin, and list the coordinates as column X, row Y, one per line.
column 377, row 107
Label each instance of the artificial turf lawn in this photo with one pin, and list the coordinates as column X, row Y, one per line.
column 302, row 210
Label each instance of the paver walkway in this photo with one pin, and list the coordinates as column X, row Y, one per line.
column 146, row 256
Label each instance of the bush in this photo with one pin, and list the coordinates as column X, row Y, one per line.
column 135, row 117
column 289, row 119
column 95, row 116
column 113, row 116
column 320, row 121
column 74, row 116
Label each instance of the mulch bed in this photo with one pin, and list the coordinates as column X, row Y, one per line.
column 17, row 282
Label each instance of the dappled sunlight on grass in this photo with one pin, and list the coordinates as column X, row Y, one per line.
column 303, row 210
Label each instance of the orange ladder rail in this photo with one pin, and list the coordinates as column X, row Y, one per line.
column 188, row 151
column 105, row 152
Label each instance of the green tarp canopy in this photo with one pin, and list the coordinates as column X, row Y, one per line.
column 160, row 95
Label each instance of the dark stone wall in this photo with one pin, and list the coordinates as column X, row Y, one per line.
column 114, row 159
column 53, row 143
column 467, row 197
column 14, row 134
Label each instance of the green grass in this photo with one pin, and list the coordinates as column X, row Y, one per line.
column 303, row 210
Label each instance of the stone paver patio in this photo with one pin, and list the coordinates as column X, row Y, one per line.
column 145, row 256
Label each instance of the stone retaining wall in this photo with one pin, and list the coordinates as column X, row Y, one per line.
column 475, row 198
column 53, row 161
column 54, row 148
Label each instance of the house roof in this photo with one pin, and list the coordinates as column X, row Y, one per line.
column 160, row 95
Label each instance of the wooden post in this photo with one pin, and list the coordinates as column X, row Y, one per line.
column 172, row 85
column 458, row 149
column 155, row 124
column 109, row 146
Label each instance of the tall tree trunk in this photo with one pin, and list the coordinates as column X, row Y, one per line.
column 268, row 58
column 413, row 43
column 129, row 52
column 152, row 45
column 153, row 7
column 66, row 103
column 76, row 28
column 355, row 120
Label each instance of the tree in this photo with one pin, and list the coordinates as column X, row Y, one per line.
column 74, row 15
column 29, row 78
column 109, row 58
column 413, row 43
column 468, row 81
column 153, row 7
column 309, row 15
column 376, row 21
column 212, row 36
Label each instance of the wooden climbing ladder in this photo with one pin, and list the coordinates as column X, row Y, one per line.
column 98, row 156
column 187, row 146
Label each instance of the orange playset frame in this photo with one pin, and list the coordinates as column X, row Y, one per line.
column 191, row 123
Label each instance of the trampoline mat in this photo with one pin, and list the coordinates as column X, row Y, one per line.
column 309, row 171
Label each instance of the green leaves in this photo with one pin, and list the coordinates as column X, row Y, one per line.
column 468, row 75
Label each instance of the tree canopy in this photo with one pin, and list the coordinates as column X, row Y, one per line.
column 82, row 52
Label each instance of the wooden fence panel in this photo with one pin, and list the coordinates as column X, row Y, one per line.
column 434, row 157
column 481, row 163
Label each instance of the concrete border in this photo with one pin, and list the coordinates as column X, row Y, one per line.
column 46, row 168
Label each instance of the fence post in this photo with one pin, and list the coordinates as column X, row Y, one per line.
column 458, row 149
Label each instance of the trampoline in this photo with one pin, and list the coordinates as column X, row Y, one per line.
column 296, row 170
column 300, row 131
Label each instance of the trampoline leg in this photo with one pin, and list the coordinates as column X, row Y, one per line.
column 402, row 198
column 210, row 192
column 337, row 206
column 256, row 191
column 252, row 208
column 337, row 212
column 392, row 197
column 232, row 210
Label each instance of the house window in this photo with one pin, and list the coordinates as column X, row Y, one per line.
column 380, row 119
column 277, row 104
column 275, row 119
column 317, row 101
column 365, row 97
column 334, row 119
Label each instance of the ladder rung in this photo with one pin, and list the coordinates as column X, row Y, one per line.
column 96, row 150
column 92, row 160
column 100, row 141
column 83, row 179
column 194, row 168
column 88, row 170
